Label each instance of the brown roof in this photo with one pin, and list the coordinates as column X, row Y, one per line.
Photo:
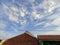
column 49, row 37
column 23, row 39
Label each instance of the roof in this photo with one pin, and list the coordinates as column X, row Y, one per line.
column 22, row 39
column 49, row 37
column 27, row 32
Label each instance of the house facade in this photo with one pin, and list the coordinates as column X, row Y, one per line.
column 28, row 39
column 23, row 39
column 49, row 39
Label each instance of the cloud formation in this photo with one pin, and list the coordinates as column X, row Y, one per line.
column 32, row 15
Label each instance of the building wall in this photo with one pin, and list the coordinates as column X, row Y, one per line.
column 23, row 39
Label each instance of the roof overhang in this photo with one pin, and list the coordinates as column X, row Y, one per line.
column 49, row 37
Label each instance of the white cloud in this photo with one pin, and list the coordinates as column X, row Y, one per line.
column 47, row 24
column 13, row 18
column 32, row 0
column 56, row 21
column 11, row 13
column 39, row 23
column 23, row 22
column 54, row 16
column 51, row 5
column 22, row 14
column 4, row 34
column 5, row 6
column 53, row 32
column 14, row 8
column 36, row 15
column 3, row 24
column 13, row 1
column 57, row 29
column 48, row 5
column 15, row 29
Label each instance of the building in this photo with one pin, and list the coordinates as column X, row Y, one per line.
column 49, row 39
column 28, row 39
column 23, row 39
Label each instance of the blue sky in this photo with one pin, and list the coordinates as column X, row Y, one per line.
column 40, row 17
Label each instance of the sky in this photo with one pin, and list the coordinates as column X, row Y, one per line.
column 40, row 17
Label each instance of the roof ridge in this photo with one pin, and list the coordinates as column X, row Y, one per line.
column 27, row 32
